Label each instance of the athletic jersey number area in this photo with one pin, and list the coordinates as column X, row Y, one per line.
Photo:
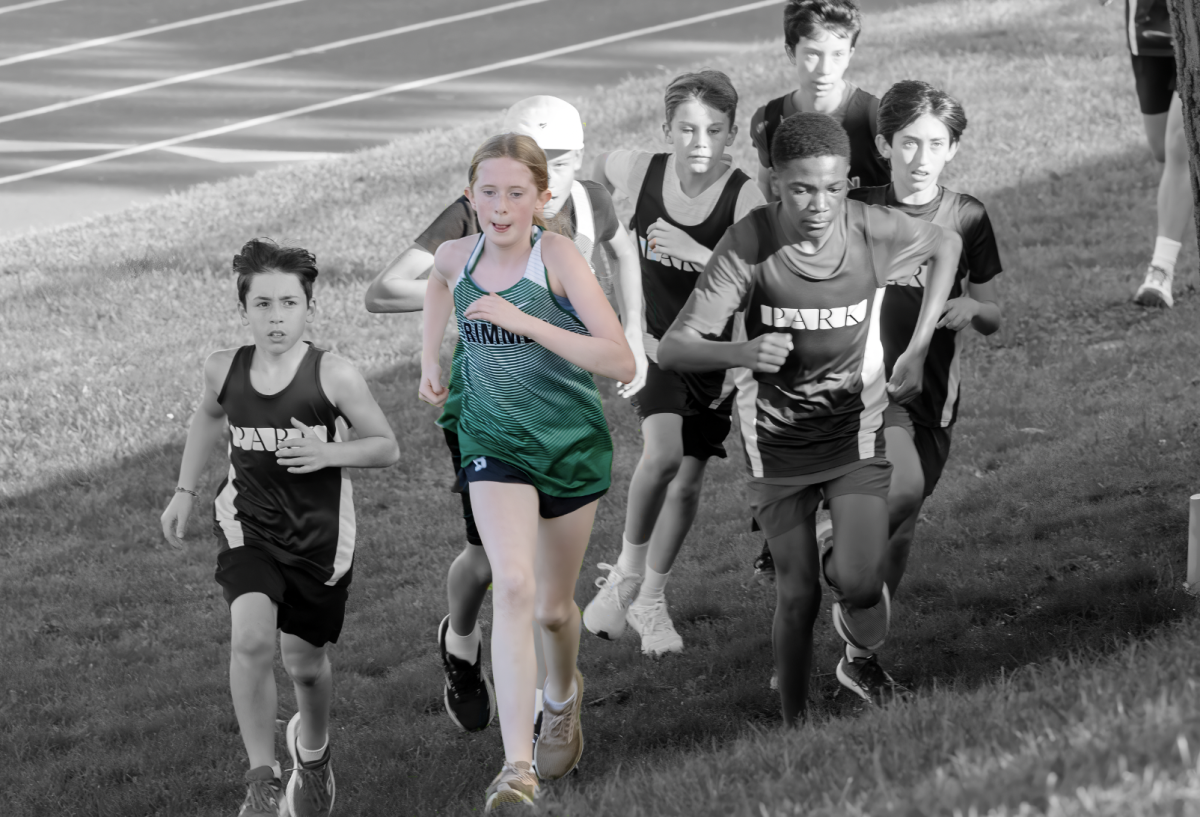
column 520, row 402
column 824, row 408
column 937, row 404
column 304, row 520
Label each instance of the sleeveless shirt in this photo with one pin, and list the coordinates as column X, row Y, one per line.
column 867, row 167
column 519, row 401
column 303, row 520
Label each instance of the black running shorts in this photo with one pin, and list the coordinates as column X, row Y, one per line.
column 704, row 428
column 785, row 503
column 932, row 444
column 461, row 488
column 1156, row 82
column 307, row 607
column 491, row 469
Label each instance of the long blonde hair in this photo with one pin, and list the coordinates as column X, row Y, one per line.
column 521, row 148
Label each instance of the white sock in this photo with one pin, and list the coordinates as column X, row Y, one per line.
column 275, row 767
column 633, row 557
column 464, row 647
column 856, row 654
column 539, row 702
column 311, row 755
column 1166, row 252
column 554, row 705
column 652, row 587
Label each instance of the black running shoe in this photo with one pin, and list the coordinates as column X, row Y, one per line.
column 470, row 698
column 869, row 681
column 764, row 565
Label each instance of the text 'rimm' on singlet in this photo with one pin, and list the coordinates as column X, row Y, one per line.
column 304, row 520
column 522, row 403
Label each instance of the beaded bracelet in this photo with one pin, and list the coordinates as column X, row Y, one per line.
column 182, row 490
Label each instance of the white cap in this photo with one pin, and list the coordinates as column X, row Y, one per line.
column 552, row 122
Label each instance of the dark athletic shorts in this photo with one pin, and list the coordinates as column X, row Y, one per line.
column 932, row 444
column 461, row 488
column 307, row 607
column 490, row 469
column 778, row 508
column 704, row 428
column 1156, row 82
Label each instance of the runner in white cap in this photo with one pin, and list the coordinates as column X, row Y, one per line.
column 582, row 211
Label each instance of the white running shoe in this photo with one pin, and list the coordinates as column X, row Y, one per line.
column 605, row 614
column 655, row 627
column 1155, row 289
column 824, row 530
column 864, row 627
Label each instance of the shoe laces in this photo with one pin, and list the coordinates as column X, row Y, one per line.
column 312, row 783
column 871, row 675
column 511, row 774
column 656, row 617
column 1157, row 277
column 462, row 677
column 615, row 582
column 558, row 725
column 261, row 795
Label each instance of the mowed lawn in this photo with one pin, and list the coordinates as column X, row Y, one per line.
column 1043, row 624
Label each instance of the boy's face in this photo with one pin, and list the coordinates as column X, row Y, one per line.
column 699, row 134
column 811, row 192
column 918, row 154
column 563, row 165
column 821, row 61
column 506, row 198
column 276, row 311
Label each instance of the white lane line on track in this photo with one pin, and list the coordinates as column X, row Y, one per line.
column 31, row 4
column 143, row 32
column 391, row 89
column 240, row 66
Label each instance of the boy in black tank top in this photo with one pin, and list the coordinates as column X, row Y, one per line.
column 283, row 515
column 819, row 39
column 685, row 202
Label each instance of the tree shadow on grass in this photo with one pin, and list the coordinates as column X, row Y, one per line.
column 98, row 610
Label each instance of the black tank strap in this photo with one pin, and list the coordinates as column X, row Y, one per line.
column 771, row 119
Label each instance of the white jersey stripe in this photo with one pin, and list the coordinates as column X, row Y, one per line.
column 952, row 383
column 747, row 407
column 1131, row 25
column 227, row 513
column 347, row 526
column 874, row 393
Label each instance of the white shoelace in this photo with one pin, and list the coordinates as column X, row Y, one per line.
column 615, row 581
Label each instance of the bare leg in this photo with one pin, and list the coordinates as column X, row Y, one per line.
column 312, row 678
column 855, row 566
column 905, row 497
column 662, row 455
column 466, row 587
column 1175, row 187
column 507, row 516
column 561, row 545
column 798, row 600
column 676, row 514
column 251, row 675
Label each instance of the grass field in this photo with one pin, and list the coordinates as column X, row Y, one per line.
column 1043, row 624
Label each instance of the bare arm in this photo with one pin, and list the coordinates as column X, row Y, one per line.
column 976, row 308
column 439, row 304
column 629, row 287
column 907, row 374
column 375, row 446
column 604, row 351
column 206, row 426
column 397, row 289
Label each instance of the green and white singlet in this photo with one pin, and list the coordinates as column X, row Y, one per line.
column 522, row 403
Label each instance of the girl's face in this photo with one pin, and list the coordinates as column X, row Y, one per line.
column 821, row 61
column 505, row 199
column 699, row 134
column 918, row 153
column 563, row 166
column 276, row 310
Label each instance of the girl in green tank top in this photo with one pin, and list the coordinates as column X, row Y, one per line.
column 534, row 326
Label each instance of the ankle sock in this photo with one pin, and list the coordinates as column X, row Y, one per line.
column 856, row 654
column 464, row 647
column 275, row 767
column 1166, row 253
column 555, row 706
column 633, row 557
column 652, row 587
column 539, row 702
column 311, row 755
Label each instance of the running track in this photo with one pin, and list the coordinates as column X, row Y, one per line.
column 108, row 102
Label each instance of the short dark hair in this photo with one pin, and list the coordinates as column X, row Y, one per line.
column 808, row 135
column 802, row 17
column 261, row 255
column 910, row 99
column 711, row 87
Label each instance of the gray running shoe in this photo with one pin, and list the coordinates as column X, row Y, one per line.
column 560, row 744
column 869, row 681
column 264, row 794
column 1155, row 289
column 310, row 790
column 513, row 790
column 863, row 627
